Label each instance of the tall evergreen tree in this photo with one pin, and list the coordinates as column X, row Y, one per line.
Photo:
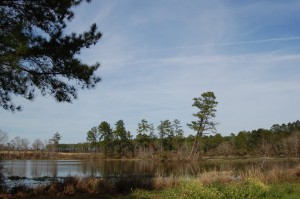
column 121, row 137
column 36, row 54
column 107, row 137
column 166, row 134
column 92, row 138
column 143, row 138
column 206, row 105
column 178, row 134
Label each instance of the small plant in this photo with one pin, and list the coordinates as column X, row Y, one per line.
column 191, row 188
column 251, row 188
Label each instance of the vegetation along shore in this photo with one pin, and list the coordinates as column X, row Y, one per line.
column 252, row 183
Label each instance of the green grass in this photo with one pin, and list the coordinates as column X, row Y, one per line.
column 284, row 190
column 251, row 188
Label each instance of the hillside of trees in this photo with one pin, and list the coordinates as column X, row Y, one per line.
column 166, row 141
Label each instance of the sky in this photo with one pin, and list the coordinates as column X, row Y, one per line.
column 156, row 56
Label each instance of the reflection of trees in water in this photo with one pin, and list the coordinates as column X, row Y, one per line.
column 121, row 168
column 111, row 169
column 84, row 168
column 94, row 169
column 53, row 168
column 36, row 169
column 23, row 168
column 118, row 168
column 16, row 168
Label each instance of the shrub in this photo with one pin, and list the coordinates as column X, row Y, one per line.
column 192, row 188
column 251, row 188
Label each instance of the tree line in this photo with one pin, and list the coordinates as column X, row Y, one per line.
column 167, row 141
column 169, row 137
column 120, row 142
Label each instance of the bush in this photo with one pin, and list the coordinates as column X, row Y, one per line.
column 252, row 188
column 192, row 189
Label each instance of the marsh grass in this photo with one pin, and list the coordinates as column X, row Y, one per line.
column 161, row 181
column 217, row 177
column 276, row 174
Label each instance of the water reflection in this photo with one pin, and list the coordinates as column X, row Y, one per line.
column 121, row 168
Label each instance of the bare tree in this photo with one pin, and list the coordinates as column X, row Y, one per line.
column 16, row 143
column 3, row 139
column 25, row 144
column 37, row 145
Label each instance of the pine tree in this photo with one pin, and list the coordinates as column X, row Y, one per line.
column 206, row 105
column 35, row 54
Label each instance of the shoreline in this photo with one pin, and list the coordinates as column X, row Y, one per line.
column 256, row 183
column 30, row 155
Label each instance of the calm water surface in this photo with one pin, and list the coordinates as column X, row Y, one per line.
column 122, row 168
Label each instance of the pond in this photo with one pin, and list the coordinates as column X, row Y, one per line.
column 128, row 168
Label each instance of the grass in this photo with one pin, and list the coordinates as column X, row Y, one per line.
column 250, row 188
column 276, row 174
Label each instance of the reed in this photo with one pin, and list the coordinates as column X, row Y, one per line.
column 276, row 174
column 160, row 181
column 216, row 177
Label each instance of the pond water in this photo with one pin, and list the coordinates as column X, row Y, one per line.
column 127, row 168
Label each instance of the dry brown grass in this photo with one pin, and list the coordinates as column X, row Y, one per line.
column 165, row 182
column 276, row 174
column 90, row 185
column 216, row 177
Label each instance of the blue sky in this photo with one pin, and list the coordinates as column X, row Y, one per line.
column 156, row 56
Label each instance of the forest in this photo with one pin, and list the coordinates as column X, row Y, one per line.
column 169, row 138
column 165, row 142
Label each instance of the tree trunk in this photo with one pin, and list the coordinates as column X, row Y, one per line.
column 192, row 151
column 196, row 142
